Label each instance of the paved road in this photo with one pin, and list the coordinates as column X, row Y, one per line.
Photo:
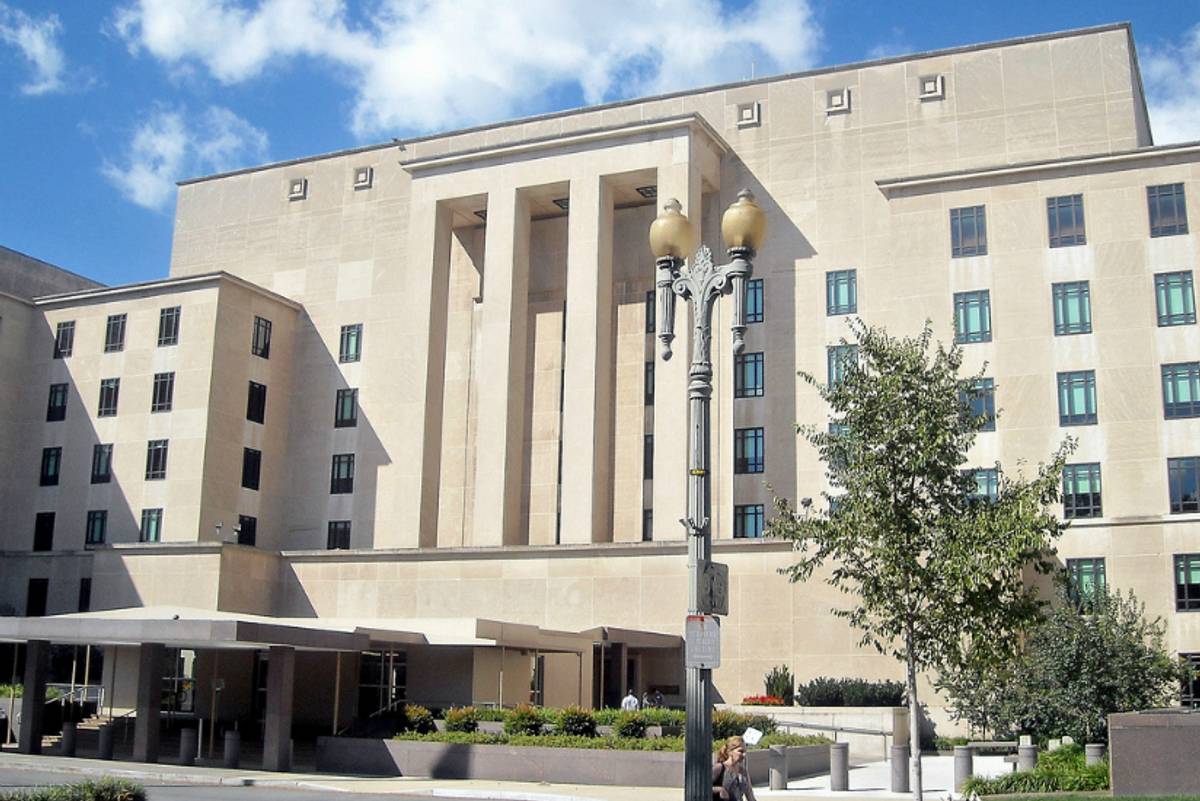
column 20, row 779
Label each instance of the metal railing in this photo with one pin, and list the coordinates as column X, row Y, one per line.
column 836, row 730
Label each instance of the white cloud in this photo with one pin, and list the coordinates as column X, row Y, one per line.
column 1172, row 82
column 170, row 144
column 37, row 41
column 421, row 65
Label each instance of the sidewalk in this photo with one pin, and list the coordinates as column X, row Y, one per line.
column 869, row 781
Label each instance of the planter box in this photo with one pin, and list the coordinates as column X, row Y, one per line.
column 534, row 764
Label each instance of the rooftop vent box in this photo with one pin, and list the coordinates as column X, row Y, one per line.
column 932, row 87
column 837, row 101
column 363, row 177
column 297, row 188
column 749, row 115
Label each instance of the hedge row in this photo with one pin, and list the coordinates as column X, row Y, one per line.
column 579, row 722
column 1064, row 770
column 825, row 691
column 102, row 790
column 604, row 743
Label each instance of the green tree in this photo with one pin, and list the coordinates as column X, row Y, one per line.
column 1085, row 662
column 935, row 571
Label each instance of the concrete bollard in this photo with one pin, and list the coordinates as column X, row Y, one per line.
column 1094, row 753
column 964, row 765
column 1054, row 744
column 233, row 749
column 1026, row 757
column 839, row 767
column 68, row 739
column 187, row 746
column 104, row 750
column 778, row 767
column 900, row 768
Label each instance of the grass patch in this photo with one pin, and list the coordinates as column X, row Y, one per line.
column 102, row 790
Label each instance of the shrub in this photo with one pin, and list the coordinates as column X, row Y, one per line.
column 455, row 737
column 659, row 716
column 730, row 724
column 820, row 691
column 762, row 700
column 11, row 690
column 630, row 724
column 493, row 714
column 779, row 684
column 524, row 719
column 673, row 744
column 462, row 718
column 825, row 691
column 779, row 738
column 419, row 719
column 576, row 721
column 1056, row 771
column 101, row 790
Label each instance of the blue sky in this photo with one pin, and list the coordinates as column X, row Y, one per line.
column 104, row 106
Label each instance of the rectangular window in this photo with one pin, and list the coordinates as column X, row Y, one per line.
column 51, row 465
column 748, row 375
column 43, row 531
column 648, row 384
column 260, row 345
column 97, row 527
column 341, row 476
column 754, row 301
column 1085, row 579
column 1183, row 477
column 980, row 400
column 973, row 316
column 256, row 403
column 1181, row 390
column 647, row 457
column 650, row 311
column 748, row 521
column 35, row 597
column 56, row 406
column 1176, row 298
column 114, row 333
column 247, row 530
column 168, row 326
column 64, row 339
column 838, row 360
column 156, row 459
column 748, row 450
column 163, row 396
column 251, row 467
column 647, row 525
column 1072, row 308
column 841, row 292
column 1187, row 582
column 85, row 594
column 987, row 485
column 350, row 343
column 339, row 535
column 1081, row 491
column 1189, row 691
column 1077, row 398
column 102, row 463
column 151, row 529
column 345, row 410
column 110, row 390
column 968, row 232
column 1168, row 210
column 1065, row 215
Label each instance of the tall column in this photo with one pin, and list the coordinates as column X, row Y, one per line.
column 681, row 181
column 435, row 374
column 149, row 702
column 277, row 734
column 33, row 701
column 500, row 433
column 588, row 367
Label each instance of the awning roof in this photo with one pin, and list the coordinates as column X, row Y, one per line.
column 185, row 627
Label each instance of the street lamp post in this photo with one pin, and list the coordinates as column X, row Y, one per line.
column 743, row 227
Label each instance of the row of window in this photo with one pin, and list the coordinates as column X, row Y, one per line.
column 38, row 593
column 753, row 306
column 95, row 528
column 350, row 341
column 162, row 397
column 114, row 332
column 1087, row 576
column 1166, row 207
column 748, row 522
column 102, row 456
column 748, row 452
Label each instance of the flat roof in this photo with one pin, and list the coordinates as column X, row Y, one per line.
column 160, row 285
column 397, row 142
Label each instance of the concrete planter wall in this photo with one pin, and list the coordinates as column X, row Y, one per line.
column 532, row 764
column 863, row 747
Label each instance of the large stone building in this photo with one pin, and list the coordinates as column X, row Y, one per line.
column 403, row 398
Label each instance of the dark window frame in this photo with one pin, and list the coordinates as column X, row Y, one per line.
column 1167, row 201
column 1078, row 570
column 835, row 282
column 1078, row 504
column 43, row 531
column 749, row 517
column 1068, row 415
column 37, row 595
column 260, row 339
column 1174, row 375
column 345, row 400
column 247, row 530
column 168, row 326
column 963, row 303
column 110, row 396
column 1063, row 294
column 991, row 484
column 84, row 603
column 96, row 531
column 1164, row 285
column 1183, row 495
column 341, row 474
column 150, row 528
column 256, row 403
column 1187, row 592
column 56, row 404
column 836, row 357
column 648, row 383
column 338, row 535
column 749, row 450
column 156, row 459
column 162, row 395
column 647, row 457
column 251, row 468
column 754, row 307
column 749, row 366
column 651, row 311
column 350, row 343
column 968, row 232
column 51, row 469
column 647, row 525
column 1066, row 224
column 114, row 333
column 980, row 399
column 64, row 339
column 102, row 463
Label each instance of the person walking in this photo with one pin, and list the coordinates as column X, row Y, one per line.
column 630, row 702
column 730, row 776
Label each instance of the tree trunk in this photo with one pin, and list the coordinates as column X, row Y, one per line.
column 914, row 721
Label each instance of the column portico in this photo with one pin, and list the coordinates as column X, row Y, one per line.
column 281, row 683
column 33, row 700
column 149, row 702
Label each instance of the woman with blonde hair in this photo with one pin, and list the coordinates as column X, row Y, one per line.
column 730, row 776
